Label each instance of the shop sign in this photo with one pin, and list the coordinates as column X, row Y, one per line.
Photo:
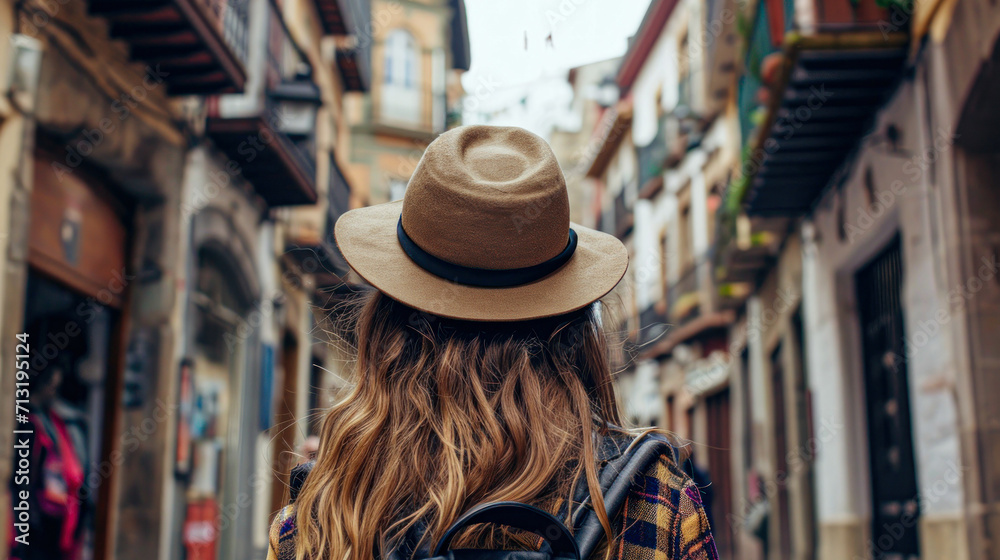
column 200, row 529
column 706, row 375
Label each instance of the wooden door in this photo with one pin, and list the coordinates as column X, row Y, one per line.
column 719, row 446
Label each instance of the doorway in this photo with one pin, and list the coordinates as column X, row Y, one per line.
column 74, row 315
column 782, row 468
column 719, row 447
column 894, row 492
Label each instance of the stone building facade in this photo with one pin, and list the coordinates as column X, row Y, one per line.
column 840, row 402
column 420, row 48
column 164, row 165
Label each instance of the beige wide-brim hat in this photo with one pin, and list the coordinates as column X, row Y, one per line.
column 483, row 234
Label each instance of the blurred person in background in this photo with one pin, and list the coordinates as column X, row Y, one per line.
column 308, row 450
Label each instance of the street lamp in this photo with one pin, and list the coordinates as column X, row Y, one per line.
column 298, row 101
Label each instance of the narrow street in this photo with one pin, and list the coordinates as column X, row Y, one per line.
column 808, row 190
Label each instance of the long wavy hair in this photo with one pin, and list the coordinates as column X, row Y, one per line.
column 445, row 415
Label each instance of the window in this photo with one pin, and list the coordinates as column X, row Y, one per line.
column 401, row 95
column 397, row 188
column 683, row 71
column 685, row 251
column 401, row 59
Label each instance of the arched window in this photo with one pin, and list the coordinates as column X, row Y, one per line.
column 401, row 88
column 401, row 59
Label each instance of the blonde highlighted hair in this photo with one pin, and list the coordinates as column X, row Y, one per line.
column 445, row 415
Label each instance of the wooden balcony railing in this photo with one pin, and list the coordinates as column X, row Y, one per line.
column 624, row 219
column 684, row 295
column 200, row 45
column 350, row 17
column 332, row 262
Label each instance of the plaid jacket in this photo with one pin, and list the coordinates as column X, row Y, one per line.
column 662, row 519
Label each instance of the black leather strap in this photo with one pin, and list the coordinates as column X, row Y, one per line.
column 519, row 516
column 616, row 480
column 298, row 478
column 628, row 459
column 483, row 277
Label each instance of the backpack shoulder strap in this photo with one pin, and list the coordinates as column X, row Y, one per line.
column 297, row 478
column 617, row 479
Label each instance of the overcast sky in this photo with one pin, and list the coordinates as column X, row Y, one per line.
column 512, row 55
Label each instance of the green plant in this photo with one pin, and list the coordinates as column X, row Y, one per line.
column 743, row 26
column 905, row 5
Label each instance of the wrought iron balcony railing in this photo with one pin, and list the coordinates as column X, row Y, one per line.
column 269, row 132
column 810, row 95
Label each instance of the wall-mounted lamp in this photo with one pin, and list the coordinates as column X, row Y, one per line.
column 24, row 71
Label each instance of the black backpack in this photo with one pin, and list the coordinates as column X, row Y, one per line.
column 627, row 459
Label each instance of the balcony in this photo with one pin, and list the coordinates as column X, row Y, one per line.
column 676, row 134
column 268, row 131
column 335, row 16
column 746, row 246
column 653, row 157
column 652, row 324
column 624, row 218
column 695, row 308
column 615, row 123
column 353, row 56
column 354, row 66
column 338, row 198
column 685, row 295
column 810, row 92
column 320, row 256
column 200, row 44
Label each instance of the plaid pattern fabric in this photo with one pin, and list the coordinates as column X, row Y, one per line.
column 282, row 535
column 662, row 519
